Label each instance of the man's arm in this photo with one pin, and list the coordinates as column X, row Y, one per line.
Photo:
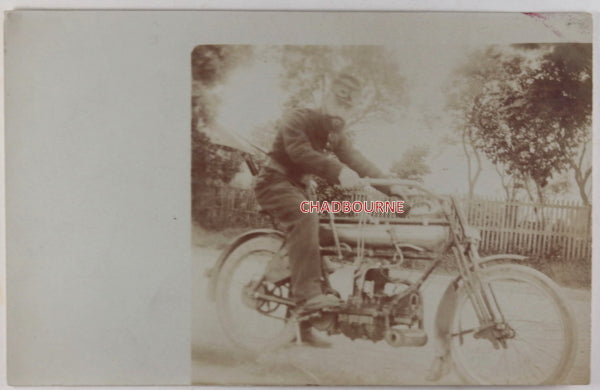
column 299, row 149
column 354, row 159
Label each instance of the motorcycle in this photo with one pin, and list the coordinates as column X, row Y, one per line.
column 500, row 321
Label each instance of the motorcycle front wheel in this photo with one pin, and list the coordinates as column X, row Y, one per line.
column 252, row 323
column 535, row 342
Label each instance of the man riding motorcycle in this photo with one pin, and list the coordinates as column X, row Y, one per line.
column 305, row 142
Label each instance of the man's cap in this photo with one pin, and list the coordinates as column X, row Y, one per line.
column 346, row 87
column 348, row 80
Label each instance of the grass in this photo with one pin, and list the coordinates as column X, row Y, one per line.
column 574, row 273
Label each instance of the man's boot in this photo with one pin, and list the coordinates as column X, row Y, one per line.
column 320, row 302
column 310, row 338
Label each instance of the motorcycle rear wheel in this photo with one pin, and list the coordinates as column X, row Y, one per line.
column 248, row 322
column 543, row 347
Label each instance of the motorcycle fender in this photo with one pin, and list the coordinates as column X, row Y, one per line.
column 213, row 273
column 488, row 260
column 445, row 311
column 491, row 258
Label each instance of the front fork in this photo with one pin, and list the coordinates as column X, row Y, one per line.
column 493, row 326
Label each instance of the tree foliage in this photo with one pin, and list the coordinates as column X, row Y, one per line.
column 530, row 107
column 211, row 163
column 211, row 64
column 412, row 164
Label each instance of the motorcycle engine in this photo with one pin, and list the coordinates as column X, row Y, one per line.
column 377, row 304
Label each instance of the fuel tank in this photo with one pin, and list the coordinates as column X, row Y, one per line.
column 431, row 235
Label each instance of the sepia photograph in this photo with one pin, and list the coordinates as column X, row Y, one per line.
column 402, row 212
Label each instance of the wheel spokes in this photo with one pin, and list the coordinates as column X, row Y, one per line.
column 253, row 318
column 531, row 344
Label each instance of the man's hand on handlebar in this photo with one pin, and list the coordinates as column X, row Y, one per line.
column 398, row 191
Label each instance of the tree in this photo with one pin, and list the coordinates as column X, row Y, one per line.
column 211, row 65
column 309, row 68
column 575, row 60
column 464, row 92
column 512, row 182
column 211, row 163
column 582, row 170
column 536, row 119
column 528, row 109
column 412, row 164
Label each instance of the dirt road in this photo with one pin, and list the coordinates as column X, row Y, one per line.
column 360, row 362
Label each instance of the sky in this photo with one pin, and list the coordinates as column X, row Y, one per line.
column 252, row 96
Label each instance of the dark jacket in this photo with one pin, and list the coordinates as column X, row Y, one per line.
column 304, row 143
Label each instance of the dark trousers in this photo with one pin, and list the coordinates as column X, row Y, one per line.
column 281, row 197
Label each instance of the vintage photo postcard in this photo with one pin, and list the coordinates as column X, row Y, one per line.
column 298, row 198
